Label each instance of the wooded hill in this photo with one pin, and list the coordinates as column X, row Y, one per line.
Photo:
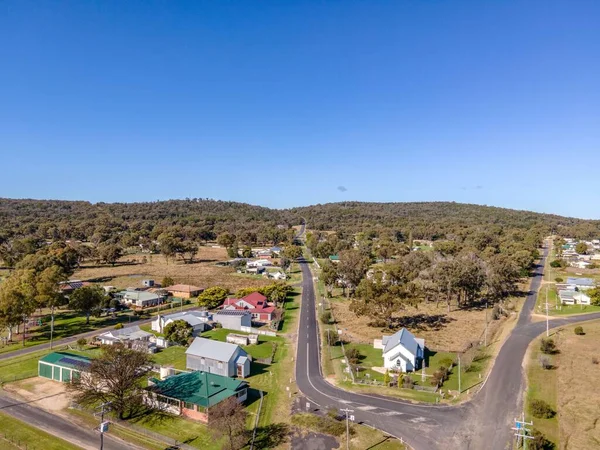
column 62, row 220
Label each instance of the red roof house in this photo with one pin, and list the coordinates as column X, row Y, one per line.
column 255, row 303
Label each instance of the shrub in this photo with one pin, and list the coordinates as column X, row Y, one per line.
column 595, row 360
column 496, row 312
column 555, row 263
column 386, row 378
column 447, row 362
column 559, row 279
column 545, row 362
column 333, row 413
column 407, row 382
column 539, row 442
column 81, row 342
column 353, row 356
column 439, row 376
column 548, row 347
column 326, row 317
column 119, row 326
column 579, row 331
column 541, row 409
column 167, row 281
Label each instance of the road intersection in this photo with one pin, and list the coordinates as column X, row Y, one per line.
column 482, row 423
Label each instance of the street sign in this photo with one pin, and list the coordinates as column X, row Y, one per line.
column 307, row 405
column 104, row 427
column 352, row 418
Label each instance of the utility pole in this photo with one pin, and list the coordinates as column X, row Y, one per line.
column 522, row 432
column 547, row 323
column 486, row 326
column 348, row 411
column 103, row 425
column 459, row 389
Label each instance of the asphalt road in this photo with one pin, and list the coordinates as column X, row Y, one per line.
column 58, row 426
column 483, row 423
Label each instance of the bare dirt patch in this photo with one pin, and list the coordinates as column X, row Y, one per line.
column 41, row 392
column 204, row 272
column 578, row 394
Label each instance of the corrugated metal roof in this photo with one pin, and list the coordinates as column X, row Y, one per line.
column 217, row 350
column 200, row 388
column 580, row 281
column 68, row 360
column 402, row 337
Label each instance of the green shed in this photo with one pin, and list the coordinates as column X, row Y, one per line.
column 62, row 366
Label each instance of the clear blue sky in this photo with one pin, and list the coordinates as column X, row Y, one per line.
column 288, row 103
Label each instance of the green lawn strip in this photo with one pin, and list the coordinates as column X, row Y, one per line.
column 291, row 309
column 542, row 385
column 172, row 356
column 14, row 430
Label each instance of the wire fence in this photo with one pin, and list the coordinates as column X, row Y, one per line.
column 16, row 441
column 256, row 421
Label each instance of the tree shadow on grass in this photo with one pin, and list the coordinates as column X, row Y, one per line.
column 271, row 436
column 420, row 322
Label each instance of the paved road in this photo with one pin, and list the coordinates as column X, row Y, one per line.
column 70, row 340
column 58, row 426
column 482, row 423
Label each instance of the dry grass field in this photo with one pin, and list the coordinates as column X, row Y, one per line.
column 578, row 394
column 203, row 272
column 442, row 330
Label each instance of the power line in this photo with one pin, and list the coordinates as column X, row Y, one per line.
column 522, row 432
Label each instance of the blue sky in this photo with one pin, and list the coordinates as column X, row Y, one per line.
column 288, row 103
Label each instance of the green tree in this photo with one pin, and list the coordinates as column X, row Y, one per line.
column 292, row 252
column 110, row 253
column 329, row 276
column 48, row 292
column 178, row 331
column 117, row 376
column 86, row 300
column 167, row 281
column 386, row 378
column 352, row 267
column 247, row 252
column 226, row 240
column 17, row 299
column 581, row 248
column 228, row 420
column 212, row 297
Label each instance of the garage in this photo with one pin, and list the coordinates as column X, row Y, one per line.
column 62, row 366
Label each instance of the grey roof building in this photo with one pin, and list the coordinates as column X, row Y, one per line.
column 402, row 351
column 218, row 357
column 233, row 319
column 199, row 320
column 133, row 333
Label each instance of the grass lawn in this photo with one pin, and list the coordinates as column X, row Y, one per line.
column 13, row 430
column 171, row 356
column 26, row 366
column 542, row 385
column 291, row 309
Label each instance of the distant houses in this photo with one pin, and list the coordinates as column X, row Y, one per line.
column 582, row 284
column 218, row 357
column 140, row 299
column 402, row 351
column 572, row 297
column 184, row 290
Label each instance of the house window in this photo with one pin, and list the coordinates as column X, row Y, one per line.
column 220, row 365
column 188, row 405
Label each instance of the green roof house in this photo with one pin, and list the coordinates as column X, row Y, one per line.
column 62, row 366
column 193, row 394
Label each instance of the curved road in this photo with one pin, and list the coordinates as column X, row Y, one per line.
column 484, row 422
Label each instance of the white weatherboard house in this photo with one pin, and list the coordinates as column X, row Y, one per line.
column 402, row 351
column 199, row 320
column 570, row 297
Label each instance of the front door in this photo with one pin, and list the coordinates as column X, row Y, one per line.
column 240, row 371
